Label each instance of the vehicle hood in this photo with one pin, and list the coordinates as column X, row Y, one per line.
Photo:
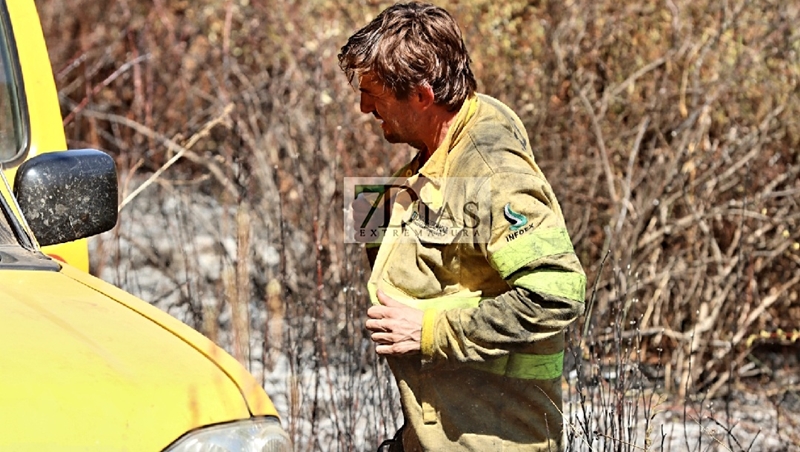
column 86, row 366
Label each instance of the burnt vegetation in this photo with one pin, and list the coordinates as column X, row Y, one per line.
column 668, row 129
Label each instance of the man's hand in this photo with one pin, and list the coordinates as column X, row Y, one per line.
column 396, row 328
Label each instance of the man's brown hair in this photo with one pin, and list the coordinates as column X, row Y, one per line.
column 412, row 44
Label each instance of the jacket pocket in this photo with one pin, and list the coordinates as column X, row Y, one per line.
column 425, row 263
column 431, row 233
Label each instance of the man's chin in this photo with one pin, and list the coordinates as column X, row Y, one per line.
column 394, row 139
column 391, row 138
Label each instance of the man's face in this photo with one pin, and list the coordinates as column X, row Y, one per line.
column 398, row 118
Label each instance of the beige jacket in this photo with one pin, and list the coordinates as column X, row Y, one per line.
column 478, row 241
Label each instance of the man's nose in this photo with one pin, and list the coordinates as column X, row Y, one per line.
column 366, row 104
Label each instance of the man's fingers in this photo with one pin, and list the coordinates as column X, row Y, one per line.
column 398, row 348
column 382, row 338
column 395, row 327
column 387, row 308
column 378, row 312
column 386, row 300
column 378, row 324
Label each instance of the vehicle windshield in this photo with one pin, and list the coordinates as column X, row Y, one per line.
column 12, row 124
column 6, row 233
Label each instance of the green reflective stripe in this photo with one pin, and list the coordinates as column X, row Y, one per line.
column 525, row 366
column 557, row 283
column 529, row 247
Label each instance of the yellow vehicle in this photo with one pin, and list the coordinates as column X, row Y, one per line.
column 85, row 365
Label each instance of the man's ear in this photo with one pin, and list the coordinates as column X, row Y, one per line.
column 423, row 96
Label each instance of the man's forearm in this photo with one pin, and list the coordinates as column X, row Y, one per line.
column 510, row 322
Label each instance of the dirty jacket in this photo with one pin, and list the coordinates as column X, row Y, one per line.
column 477, row 240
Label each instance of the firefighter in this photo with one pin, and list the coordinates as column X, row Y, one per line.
column 475, row 277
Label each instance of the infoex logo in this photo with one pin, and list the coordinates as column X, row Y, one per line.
column 418, row 209
column 517, row 220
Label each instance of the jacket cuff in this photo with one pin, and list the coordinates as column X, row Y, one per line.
column 428, row 339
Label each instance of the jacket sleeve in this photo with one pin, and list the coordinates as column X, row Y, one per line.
column 529, row 247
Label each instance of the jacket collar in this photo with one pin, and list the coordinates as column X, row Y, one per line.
column 435, row 167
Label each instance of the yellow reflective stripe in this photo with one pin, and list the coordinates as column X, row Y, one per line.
column 563, row 284
column 525, row 366
column 529, row 247
column 427, row 339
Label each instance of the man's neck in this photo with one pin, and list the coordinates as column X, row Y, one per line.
column 439, row 122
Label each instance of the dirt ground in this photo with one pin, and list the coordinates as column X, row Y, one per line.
column 761, row 413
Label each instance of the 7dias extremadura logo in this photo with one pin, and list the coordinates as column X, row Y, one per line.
column 448, row 210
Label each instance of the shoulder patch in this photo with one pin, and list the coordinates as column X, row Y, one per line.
column 517, row 220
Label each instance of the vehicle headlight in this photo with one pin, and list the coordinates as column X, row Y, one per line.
column 252, row 435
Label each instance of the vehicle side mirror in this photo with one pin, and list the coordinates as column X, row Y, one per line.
column 67, row 195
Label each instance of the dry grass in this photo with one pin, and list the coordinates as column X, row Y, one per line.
column 668, row 129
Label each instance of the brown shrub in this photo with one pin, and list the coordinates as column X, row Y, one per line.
column 668, row 129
